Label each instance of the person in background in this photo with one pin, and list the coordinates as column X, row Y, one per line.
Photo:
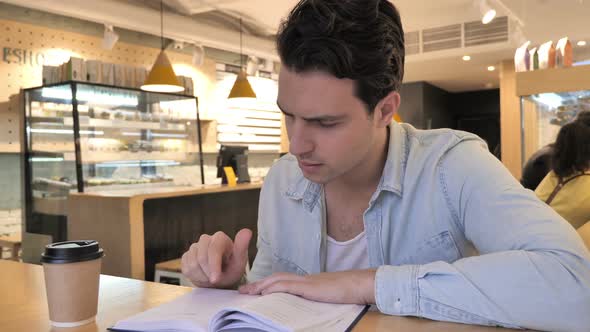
column 365, row 210
column 539, row 164
column 567, row 187
column 537, row 167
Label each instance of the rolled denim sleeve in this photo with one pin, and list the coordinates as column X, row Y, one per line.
column 533, row 270
column 401, row 297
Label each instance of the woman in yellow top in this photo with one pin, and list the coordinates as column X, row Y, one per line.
column 567, row 187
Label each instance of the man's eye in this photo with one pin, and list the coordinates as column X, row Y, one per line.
column 327, row 124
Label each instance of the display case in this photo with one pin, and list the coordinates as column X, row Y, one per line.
column 548, row 100
column 82, row 137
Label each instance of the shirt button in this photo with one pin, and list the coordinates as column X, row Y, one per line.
column 397, row 305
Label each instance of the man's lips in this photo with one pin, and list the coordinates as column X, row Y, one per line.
column 308, row 163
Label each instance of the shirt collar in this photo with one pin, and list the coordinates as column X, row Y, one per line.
column 305, row 190
column 397, row 157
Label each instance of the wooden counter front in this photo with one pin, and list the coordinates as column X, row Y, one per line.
column 139, row 228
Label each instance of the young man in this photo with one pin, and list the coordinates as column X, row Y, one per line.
column 363, row 210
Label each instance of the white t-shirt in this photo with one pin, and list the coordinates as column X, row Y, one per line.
column 347, row 255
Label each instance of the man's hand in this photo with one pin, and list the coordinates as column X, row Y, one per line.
column 355, row 287
column 216, row 261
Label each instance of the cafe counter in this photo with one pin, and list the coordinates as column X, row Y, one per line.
column 139, row 228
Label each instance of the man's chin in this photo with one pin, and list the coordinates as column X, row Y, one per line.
column 316, row 178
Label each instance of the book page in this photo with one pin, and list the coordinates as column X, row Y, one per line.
column 285, row 312
column 190, row 312
column 226, row 310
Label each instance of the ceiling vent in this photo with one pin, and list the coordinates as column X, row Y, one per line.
column 477, row 33
column 442, row 38
column 412, row 42
column 457, row 36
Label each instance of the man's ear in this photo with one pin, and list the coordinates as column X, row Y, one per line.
column 386, row 108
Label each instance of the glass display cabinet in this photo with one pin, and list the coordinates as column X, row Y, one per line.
column 86, row 137
column 548, row 100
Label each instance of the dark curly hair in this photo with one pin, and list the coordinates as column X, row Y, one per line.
column 571, row 152
column 361, row 40
column 584, row 116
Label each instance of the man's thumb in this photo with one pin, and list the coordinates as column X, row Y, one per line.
column 241, row 243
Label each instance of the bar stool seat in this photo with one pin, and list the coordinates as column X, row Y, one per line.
column 169, row 272
column 12, row 241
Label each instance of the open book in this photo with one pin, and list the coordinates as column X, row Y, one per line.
column 225, row 310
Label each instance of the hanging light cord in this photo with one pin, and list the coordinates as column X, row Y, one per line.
column 162, row 24
column 241, row 54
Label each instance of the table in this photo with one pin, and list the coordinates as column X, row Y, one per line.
column 23, row 305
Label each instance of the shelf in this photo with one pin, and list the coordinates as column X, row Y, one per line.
column 48, row 153
column 123, row 156
column 175, row 124
column 113, row 157
column 250, row 152
column 129, row 186
column 92, row 85
column 42, row 119
column 553, row 80
column 125, row 124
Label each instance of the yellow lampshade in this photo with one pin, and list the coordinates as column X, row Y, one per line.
column 162, row 77
column 242, row 88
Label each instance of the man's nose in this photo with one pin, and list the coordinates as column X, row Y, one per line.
column 300, row 140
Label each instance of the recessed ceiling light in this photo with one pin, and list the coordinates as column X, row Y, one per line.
column 582, row 43
column 466, row 58
column 491, row 68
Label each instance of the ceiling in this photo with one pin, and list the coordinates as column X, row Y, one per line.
column 538, row 20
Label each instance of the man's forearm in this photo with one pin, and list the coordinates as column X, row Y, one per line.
column 518, row 289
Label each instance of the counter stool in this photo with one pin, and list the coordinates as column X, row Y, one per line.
column 12, row 241
column 169, row 272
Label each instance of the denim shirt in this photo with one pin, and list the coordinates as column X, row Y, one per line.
column 452, row 234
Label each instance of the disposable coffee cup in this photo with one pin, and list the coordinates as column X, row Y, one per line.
column 72, row 274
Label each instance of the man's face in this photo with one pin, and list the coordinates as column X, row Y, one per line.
column 329, row 129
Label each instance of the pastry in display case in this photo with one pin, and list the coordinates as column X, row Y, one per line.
column 83, row 137
column 550, row 99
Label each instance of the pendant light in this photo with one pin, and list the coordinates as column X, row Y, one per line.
column 242, row 88
column 162, row 77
